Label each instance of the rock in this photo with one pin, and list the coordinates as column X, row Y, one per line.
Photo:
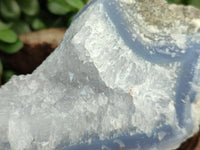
column 118, row 80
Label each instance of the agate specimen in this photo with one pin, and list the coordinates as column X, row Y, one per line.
column 125, row 76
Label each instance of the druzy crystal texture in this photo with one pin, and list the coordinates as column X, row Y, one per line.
column 125, row 76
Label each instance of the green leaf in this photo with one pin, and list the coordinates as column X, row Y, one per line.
column 195, row 3
column 11, row 48
column 28, row 19
column 59, row 7
column 85, row 1
column 1, row 68
column 21, row 27
column 71, row 19
column 59, row 21
column 9, row 9
column 7, row 74
column 75, row 3
column 29, row 7
column 8, row 36
column 37, row 24
column 170, row 1
column 175, row 1
column 4, row 25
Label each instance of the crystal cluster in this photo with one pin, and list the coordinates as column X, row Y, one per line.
column 125, row 76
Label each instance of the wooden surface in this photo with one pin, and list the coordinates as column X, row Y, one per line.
column 37, row 46
column 191, row 144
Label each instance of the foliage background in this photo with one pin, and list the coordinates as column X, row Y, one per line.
column 195, row 3
column 23, row 16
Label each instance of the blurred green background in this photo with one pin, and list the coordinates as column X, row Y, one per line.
column 195, row 3
column 23, row 16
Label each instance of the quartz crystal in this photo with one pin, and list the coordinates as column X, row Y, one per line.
column 125, row 76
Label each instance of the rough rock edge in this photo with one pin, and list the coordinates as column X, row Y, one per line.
column 171, row 15
column 196, row 109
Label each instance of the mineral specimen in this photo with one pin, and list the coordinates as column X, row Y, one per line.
column 126, row 76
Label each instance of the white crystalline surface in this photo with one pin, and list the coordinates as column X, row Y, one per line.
column 92, row 88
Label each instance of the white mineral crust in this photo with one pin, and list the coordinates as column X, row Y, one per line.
column 94, row 87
